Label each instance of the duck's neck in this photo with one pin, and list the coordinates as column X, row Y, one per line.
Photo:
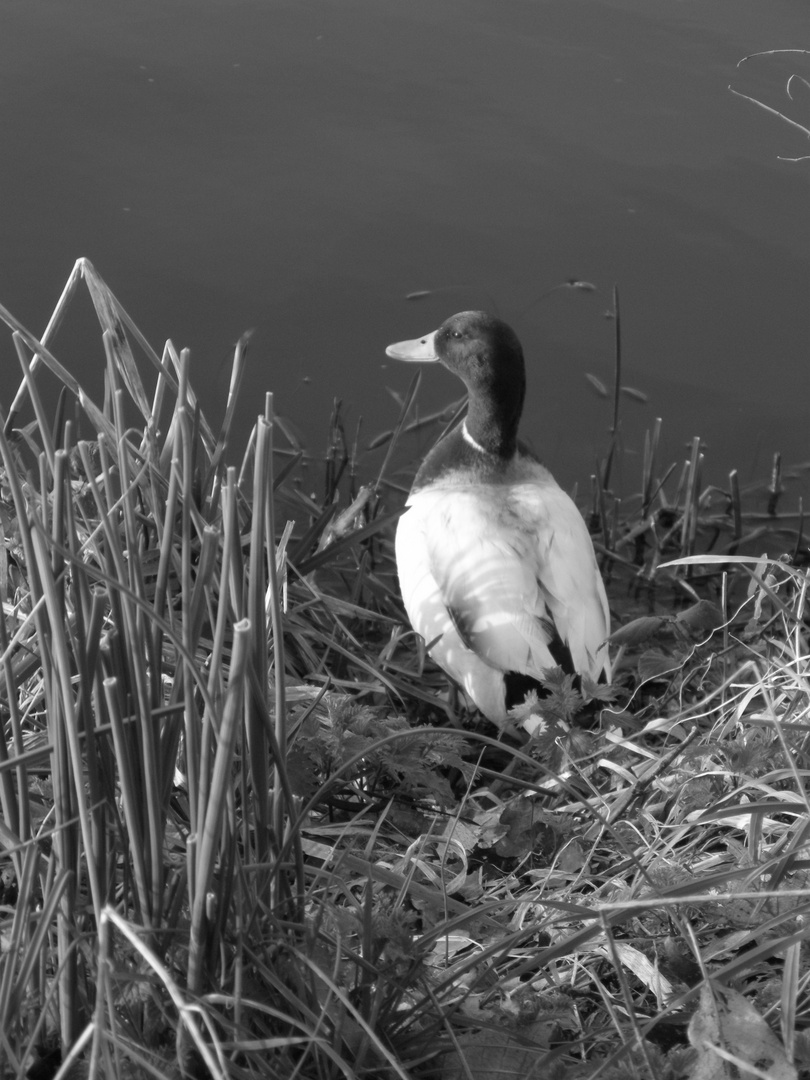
column 491, row 425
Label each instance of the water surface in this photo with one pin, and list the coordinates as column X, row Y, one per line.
column 299, row 166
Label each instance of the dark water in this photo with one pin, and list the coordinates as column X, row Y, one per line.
column 299, row 166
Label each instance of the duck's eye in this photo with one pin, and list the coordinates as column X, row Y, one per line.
column 456, row 334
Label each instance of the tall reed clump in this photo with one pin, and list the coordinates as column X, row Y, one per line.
column 224, row 849
column 150, row 833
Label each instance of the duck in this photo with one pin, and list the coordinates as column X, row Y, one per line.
column 496, row 566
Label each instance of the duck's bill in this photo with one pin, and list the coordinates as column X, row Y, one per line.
column 423, row 348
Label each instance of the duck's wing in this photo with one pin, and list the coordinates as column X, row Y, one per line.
column 569, row 584
column 511, row 569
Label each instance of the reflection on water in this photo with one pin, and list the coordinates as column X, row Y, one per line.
column 300, row 166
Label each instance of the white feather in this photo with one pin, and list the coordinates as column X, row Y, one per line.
column 492, row 571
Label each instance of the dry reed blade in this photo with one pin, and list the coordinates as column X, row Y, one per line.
column 651, row 443
column 237, row 373
column 600, row 507
column 403, row 415
column 161, row 387
column 165, row 526
column 617, row 370
column 185, row 679
column 230, row 571
column 257, row 748
column 211, row 831
column 617, row 386
column 799, row 545
column 53, row 325
column 278, row 807
column 131, row 800
column 775, row 488
column 99, row 760
column 112, row 314
column 95, row 414
column 736, row 510
column 118, row 349
column 197, row 607
column 36, row 401
column 110, row 311
column 187, row 397
column 690, row 500
column 60, row 418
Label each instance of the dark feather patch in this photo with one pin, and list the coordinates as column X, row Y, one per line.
column 558, row 649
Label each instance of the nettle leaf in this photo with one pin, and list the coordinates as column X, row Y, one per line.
column 530, row 706
column 594, row 691
column 654, row 663
column 545, row 743
column 564, row 702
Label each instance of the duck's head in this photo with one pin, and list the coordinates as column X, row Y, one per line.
column 486, row 355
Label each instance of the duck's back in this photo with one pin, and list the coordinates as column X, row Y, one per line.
column 497, row 569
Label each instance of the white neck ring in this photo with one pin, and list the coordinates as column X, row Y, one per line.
column 470, row 440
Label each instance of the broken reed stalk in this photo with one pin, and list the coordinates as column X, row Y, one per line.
column 617, row 370
column 258, row 748
column 212, row 822
column 775, row 487
column 736, row 510
column 651, row 443
column 797, row 548
column 599, row 517
column 617, row 387
column 223, row 441
column 279, row 807
column 690, row 500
